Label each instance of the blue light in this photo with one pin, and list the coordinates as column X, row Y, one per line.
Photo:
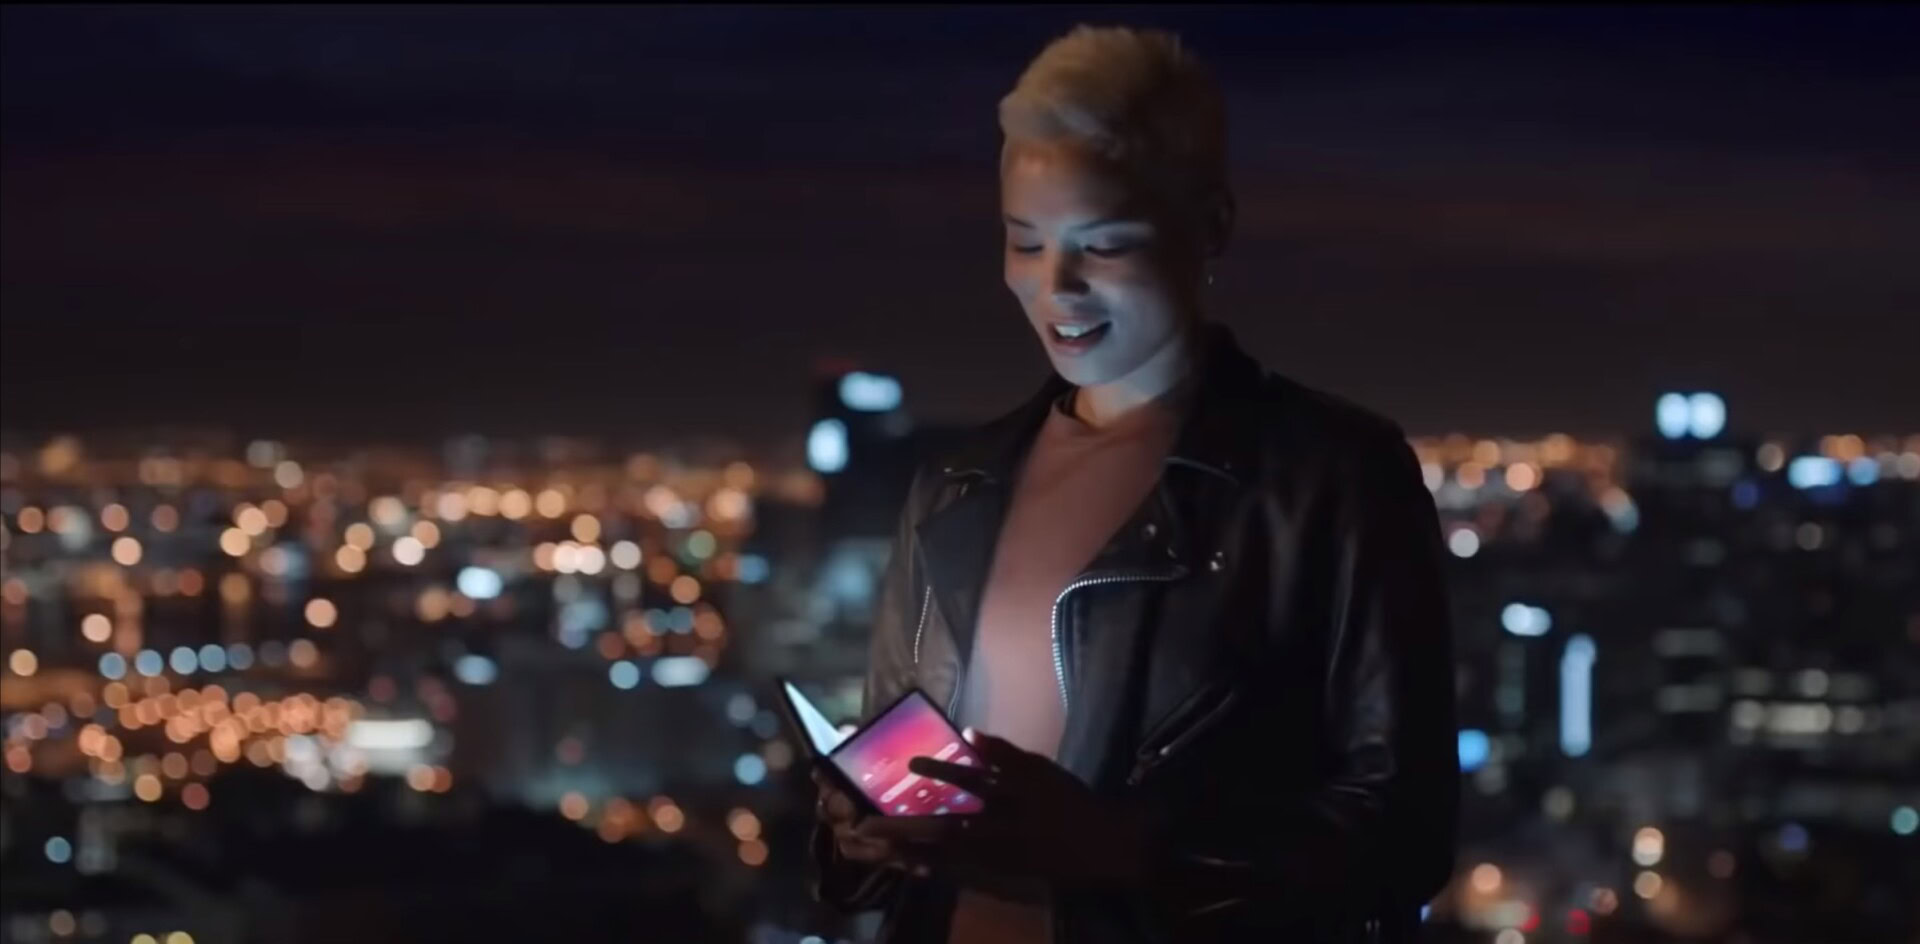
column 869, row 393
column 1863, row 471
column 827, row 446
column 623, row 674
column 1576, row 696
column 148, row 662
column 475, row 669
column 240, row 656
column 184, row 661
column 1475, row 747
column 740, row 708
column 113, row 665
column 1906, row 820
column 213, row 658
column 479, row 583
column 1746, row 494
column 753, row 568
column 59, row 850
column 679, row 671
column 1523, row 620
column 1793, row 837
column 1673, row 415
column 750, row 769
column 1813, row 472
column 1706, row 415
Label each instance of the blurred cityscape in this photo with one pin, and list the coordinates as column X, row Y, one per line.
column 262, row 690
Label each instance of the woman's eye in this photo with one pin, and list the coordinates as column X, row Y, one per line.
column 1109, row 252
column 1023, row 250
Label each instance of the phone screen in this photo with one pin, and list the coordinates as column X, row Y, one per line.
column 875, row 760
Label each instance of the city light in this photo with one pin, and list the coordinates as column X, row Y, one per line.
column 1485, row 878
column 1521, row 619
column 149, row 663
column 113, row 665
column 235, row 542
column 359, row 535
column 753, row 569
column 1463, row 542
column 1673, row 415
column 1806, row 472
column 743, row 824
column 1647, row 884
column 750, row 769
column 679, row 671
column 1905, row 820
column 623, row 674
column 869, row 393
column 1706, row 415
column 1576, row 695
column 96, row 627
column 624, row 555
column 479, row 583
column 1649, row 845
column 125, row 551
column 183, row 660
column 59, row 851
column 827, row 446
column 349, row 559
column 23, row 663
column 408, row 551
column 389, row 735
column 753, row 852
column 321, row 613
column 475, row 669
column 1474, row 749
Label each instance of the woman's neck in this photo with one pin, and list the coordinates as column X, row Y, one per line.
column 1162, row 376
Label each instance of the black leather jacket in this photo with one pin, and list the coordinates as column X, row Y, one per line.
column 1261, row 655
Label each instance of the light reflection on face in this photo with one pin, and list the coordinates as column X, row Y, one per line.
column 1086, row 256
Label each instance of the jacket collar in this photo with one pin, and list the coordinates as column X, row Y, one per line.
column 1211, row 439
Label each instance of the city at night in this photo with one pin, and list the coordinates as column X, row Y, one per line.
column 429, row 436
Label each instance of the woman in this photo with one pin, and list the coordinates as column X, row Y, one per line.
column 1190, row 610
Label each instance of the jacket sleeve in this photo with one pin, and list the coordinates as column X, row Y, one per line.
column 854, row 886
column 1377, row 835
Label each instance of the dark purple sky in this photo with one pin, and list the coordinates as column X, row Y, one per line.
column 647, row 222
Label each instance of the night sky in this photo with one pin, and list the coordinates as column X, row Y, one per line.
column 645, row 223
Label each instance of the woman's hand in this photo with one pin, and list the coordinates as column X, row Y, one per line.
column 837, row 812
column 1040, row 822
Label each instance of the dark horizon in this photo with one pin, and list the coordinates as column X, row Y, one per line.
column 647, row 224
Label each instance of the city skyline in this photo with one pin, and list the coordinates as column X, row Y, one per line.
column 650, row 224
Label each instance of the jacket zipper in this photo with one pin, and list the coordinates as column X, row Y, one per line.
column 1059, row 656
column 1151, row 756
column 926, row 597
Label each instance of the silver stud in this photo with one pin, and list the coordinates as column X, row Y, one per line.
column 1150, row 530
column 1219, row 560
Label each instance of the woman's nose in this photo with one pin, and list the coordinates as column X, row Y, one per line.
column 1063, row 280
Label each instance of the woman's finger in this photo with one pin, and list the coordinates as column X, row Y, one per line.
column 971, row 779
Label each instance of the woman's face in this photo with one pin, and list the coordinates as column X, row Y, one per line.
column 1105, row 283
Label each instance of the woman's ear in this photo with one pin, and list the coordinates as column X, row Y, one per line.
column 1219, row 225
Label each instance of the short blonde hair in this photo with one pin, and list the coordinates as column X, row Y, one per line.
column 1135, row 96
